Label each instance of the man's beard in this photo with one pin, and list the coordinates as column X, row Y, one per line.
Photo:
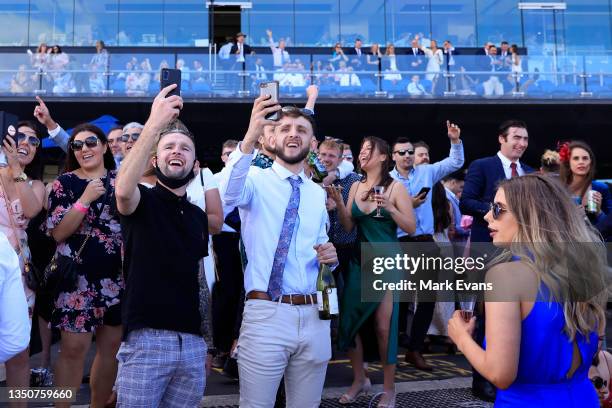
column 280, row 154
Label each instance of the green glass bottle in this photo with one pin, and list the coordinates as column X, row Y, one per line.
column 327, row 294
column 318, row 169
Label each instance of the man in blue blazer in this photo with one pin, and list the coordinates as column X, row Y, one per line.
column 484, row 174
column 481, row 182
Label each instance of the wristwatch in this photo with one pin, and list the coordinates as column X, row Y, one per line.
column 21, row 178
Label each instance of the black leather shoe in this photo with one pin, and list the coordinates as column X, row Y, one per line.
column 231, row 368
column 484, row 390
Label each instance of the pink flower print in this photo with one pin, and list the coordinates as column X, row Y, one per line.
column 79, row 323
column 109, row 288
column 98, row 312
column 71, row 300
column 79, row 302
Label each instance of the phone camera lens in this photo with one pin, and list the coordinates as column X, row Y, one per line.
column 166, row 73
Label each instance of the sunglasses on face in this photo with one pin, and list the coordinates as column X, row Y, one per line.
column 347, row 157
column 226, row 154
column 497, row 210
column 32, row 140
column 91, row 142
column 403, row 152
column 133, row 136
column 599, row 382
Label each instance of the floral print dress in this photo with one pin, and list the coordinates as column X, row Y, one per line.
column 95, row 300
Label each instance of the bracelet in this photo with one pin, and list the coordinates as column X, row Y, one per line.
column 80, row 207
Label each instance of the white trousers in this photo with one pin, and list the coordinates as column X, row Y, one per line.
column 279, row 339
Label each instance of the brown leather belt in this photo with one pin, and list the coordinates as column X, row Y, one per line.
column 290, row 299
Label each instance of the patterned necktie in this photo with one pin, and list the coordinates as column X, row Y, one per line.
column 514, row 171
column 275, row 285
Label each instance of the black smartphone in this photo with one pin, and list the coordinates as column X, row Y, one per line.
column 270, row 88
column 8, row 126
column 171, row 76
column 424, row 191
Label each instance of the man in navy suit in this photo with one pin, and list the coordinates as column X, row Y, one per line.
column 484, row 174
column 479, row 189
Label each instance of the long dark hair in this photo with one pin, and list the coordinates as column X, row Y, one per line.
column 565, row 173
column 440, row 206
column 382, row 147
column 71, row 161
column 34, row 170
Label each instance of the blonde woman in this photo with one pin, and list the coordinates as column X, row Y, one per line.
column 542, row 323
column 435, row 57
column 390, row 65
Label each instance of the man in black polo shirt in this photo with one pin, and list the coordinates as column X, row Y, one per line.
column 161, row 359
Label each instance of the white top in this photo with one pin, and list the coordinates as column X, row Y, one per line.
column 506, row 164
column 201, row 183
column 240, row 56
column 416, row 89
column 14, row 320
column 224, row 52
column 280, row 56
column 262, row 196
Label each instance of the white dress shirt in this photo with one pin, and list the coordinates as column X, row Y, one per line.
column 14, row 319
column 240, row 56
column 262, row 196
column 280, row 56
column 506, row 164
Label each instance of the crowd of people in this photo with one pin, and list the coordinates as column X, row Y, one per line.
column 417, row 70
column 175, row 269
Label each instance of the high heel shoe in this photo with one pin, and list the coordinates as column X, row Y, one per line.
column 346, row 399
column 390, row 404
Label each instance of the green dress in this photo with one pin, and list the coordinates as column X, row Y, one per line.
column 357, row 317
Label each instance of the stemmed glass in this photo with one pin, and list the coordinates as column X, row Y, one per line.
column 378, row 190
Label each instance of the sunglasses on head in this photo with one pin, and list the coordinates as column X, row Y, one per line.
column 599, row 382
column 403, row 152
column 91, row 142
column 32, row 140
column 303, row 111
column 133, row 136
column 496, row 209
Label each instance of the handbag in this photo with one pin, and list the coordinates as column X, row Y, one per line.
column 62, row 273
column 32, row 275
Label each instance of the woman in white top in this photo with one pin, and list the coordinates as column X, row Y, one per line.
column 436, row 58
column 516, row 67
column 391, row 71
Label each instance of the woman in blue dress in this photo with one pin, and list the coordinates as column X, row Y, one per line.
column 540, row 341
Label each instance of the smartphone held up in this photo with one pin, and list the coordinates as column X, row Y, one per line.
column 270, row 88
column 171, row 76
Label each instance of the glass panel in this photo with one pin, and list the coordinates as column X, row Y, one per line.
column 274, row 15
column 138, row 74
column 17, row 76
column 195, row 74
column 455, row 21
column 141, row 22
column 498, row 21
column 362, row 19
column 407, row 18
column 97, row 20
column 51, row 21
column 542, row 35
column 186, row 23
column 14, row 14
column 317, row 22
column 588, row 16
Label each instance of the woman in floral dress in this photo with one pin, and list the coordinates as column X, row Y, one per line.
column 80, row 206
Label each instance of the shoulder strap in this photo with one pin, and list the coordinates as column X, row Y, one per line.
column 99, row 213
column 9, row 212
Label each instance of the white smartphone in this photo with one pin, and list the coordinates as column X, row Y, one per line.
column 270, row 88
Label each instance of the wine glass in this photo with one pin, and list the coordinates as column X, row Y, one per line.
column 379, row 190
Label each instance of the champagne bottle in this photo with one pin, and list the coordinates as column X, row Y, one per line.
column 327, row 294
column 318, row 169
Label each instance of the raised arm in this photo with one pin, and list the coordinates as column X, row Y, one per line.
column 56, row 133
column 455, row 158
column 164, row 110
column 234, row 175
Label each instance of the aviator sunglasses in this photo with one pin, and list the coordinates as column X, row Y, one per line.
column 32, row 140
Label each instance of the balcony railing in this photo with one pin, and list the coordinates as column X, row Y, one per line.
column 205, row 75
